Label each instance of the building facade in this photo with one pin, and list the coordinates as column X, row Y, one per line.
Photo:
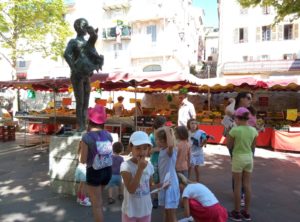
column 150, row 35
column 250, row 43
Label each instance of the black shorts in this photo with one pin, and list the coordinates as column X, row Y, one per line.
column 98, row 177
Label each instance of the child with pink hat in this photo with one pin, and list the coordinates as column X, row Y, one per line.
column 96, row 152
column 241, row 141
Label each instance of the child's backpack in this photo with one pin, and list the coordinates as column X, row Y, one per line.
column 198, row 137
column 103, row 157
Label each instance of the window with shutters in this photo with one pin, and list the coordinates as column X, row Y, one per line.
column 151, row 30
column 266, row 33
column 274, row 33
column 240, row 35
column 213, row 50
column 289, row 56
column 245, row 58
column 266, row 10
column 265, row 57
column 288, row 32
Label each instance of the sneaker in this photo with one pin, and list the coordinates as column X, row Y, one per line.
column 85, row 202
column 155, row 203
column 245, row 215
column 234, row 216
column 242, row 202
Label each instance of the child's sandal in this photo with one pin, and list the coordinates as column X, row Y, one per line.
column 111, row 201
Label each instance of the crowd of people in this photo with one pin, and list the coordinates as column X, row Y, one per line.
column 172, row 178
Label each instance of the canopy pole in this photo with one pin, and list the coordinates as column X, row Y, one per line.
column 54, row 104
column 135, row 112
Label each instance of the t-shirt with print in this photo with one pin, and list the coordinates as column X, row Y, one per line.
column 196, row 139
column 137, row 204
column 200, row 193
column 243, row 139
column 117, row 160
column 90, row 138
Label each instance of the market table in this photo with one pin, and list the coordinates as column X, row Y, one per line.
column 263, row 139
column 289, row 141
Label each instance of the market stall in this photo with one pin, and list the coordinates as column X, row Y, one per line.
column 114, row 81
column 268, row 93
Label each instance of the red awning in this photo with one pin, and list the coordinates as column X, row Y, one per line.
column 113, row 81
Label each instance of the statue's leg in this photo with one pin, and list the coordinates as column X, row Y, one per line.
column 86, row 98
column 77, row 84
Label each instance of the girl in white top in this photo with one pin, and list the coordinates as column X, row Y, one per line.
column 200, row 203
column 168, row 197
column 137, row 176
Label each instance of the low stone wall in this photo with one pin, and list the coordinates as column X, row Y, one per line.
column 63, row 159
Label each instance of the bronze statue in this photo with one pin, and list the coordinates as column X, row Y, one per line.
column 83, row 59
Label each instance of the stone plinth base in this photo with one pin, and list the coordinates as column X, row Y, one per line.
column 63, row 159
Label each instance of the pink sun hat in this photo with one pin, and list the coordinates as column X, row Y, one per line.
column 97, row 114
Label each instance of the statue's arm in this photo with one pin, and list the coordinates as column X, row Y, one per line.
column 93, row 36
column 69, row 53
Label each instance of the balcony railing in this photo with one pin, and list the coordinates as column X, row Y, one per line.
column 115, row 4
column 255, row 67
column 110, row 33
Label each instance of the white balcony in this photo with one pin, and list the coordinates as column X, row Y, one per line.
column 109, row 5
column 262, row 67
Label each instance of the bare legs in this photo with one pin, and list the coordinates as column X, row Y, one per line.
column 95, row 193
column 237, row 178
column 170, row 215
column 197, row 173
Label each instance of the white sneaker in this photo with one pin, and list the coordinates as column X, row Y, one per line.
column 242, row 202
column 86, row 202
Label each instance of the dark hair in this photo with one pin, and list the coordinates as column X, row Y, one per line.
column 252, row 110
column 188, row 123
column 120, row 98
column 182, row 133
column 118, row 147
column 95, row 125
column 159, row 121
column 161, row 135
column 238, row 98
column 245, row 116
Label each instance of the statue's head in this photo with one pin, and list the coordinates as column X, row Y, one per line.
column 80, row 26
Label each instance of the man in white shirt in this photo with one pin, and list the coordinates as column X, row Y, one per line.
column 186, row 110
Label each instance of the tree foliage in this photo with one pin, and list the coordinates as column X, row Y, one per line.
column 283, row 7
column 28, row 26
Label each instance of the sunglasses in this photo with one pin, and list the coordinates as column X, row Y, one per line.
column 249, row 97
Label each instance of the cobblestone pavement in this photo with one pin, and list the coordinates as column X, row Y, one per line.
column 25, row 195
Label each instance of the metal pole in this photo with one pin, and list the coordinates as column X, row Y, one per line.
column 135, row 114
column 208, row 94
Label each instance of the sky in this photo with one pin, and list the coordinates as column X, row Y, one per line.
column 210, row 10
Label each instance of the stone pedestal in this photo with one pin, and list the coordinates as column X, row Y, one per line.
column 63, row 159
